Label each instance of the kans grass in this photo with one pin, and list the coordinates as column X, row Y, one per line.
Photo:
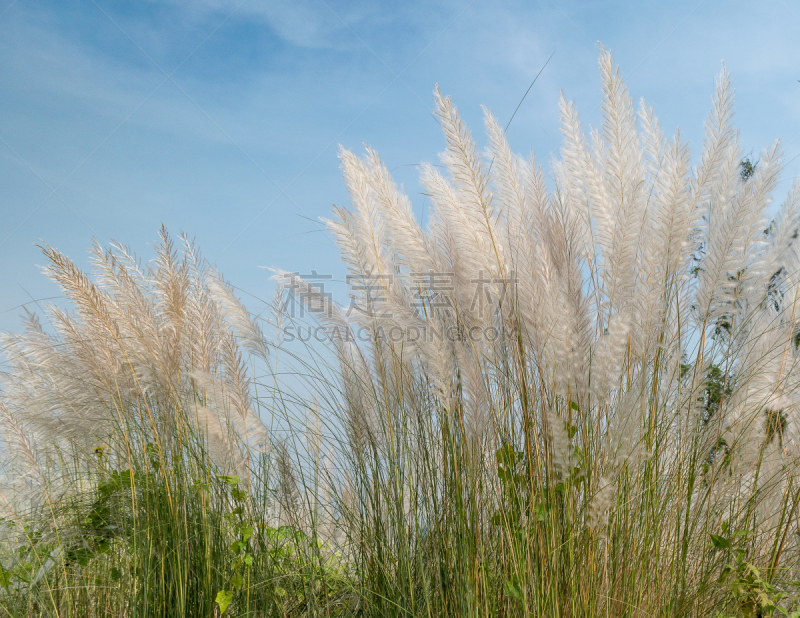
column 574, row 396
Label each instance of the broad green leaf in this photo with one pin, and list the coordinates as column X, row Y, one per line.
column 513, row 590
column 233, row 481
column 5, row 577
column 720, row 542
column 224, row 598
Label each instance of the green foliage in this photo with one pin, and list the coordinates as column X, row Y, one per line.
column 747, row 169
column 242, row 559
column 752, row 595
column 512, row 470
column 719, row 385
column 171, row 545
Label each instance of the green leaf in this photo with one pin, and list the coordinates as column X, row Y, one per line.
column 513, row 590
column 720, row 542
column 127, row 478
column 153, row 454
column 506, row 455
column 233, row 481
column 224, row 598
column 116, row 574
column 5, row 577
column 237, row 581
column 574, row 406
column 248, row 560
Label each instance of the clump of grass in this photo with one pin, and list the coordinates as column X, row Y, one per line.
column 139, row 476
column 568, row 401
column 608, row 382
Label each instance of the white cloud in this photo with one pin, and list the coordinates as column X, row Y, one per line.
column 298, row 22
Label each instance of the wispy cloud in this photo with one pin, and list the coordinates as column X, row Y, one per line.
column 282, row 81
column 301, row 23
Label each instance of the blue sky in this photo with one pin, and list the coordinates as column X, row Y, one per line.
column 222, row 118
